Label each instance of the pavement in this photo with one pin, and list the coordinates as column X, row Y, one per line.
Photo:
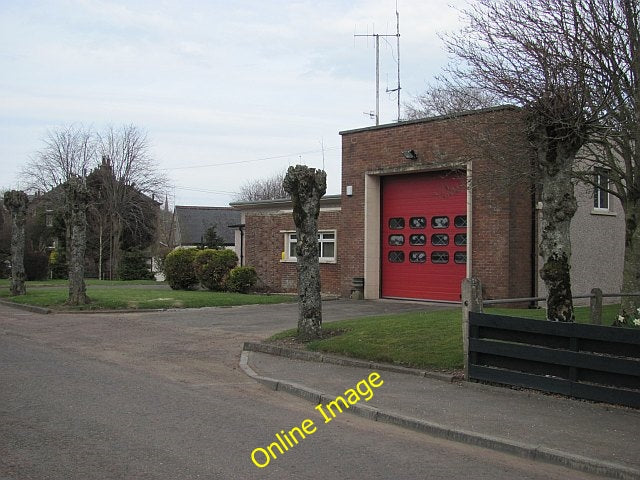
column 594, row 438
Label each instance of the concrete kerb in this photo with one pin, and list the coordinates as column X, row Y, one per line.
column 533, row 452
column 46, row 311
column 296, row 354
column 28, row 308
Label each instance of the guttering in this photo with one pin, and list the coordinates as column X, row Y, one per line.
column 282, row 203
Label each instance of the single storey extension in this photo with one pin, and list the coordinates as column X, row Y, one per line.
column 267, row 237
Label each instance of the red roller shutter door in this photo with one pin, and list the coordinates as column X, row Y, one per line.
column 424, row 236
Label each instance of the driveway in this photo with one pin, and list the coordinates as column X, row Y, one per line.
column 194, row 345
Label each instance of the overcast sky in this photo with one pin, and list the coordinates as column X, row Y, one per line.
column 226, row 90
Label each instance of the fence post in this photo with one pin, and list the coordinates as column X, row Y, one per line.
column 595, row 303
column 471, row 290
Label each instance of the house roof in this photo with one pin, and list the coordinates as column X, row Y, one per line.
column 192, row 222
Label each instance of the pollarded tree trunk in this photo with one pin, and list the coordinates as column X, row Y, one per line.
column 16, row 202
column 631, row 273
column 306, row 186
column 558, row 207
column 77, row 204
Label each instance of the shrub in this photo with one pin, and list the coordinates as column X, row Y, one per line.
column 58, row 265
column 133, row 266
column 242, row 279
column 212, row 267
column 178, row 269
column 36, row 265
column 5, row 265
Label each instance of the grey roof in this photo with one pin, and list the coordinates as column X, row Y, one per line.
column 192, row 222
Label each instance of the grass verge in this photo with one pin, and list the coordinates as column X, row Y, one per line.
column 430, row 340
column 5, row 282
column 121, row 295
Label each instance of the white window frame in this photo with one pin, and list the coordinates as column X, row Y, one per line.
column 290, row 240
column 600, row 194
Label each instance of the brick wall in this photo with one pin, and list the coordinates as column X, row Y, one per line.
column 501, row 212
column 265, row 244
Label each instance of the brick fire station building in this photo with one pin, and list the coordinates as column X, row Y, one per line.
column 406, row 222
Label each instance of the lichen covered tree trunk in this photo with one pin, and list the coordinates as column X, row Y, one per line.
column 631, row 272
column 77, row 199
column 558, row 207
column 16, row 202
column 306, row 186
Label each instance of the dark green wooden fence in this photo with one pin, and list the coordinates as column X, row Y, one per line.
column 585, row 361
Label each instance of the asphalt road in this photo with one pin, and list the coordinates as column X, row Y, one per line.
column 155, row 396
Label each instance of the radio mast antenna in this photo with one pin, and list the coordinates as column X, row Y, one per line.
column 397, row 89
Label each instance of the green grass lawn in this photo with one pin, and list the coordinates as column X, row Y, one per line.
column 4, row 282
column 430, row 340
column 609, row 313
column 116, row 295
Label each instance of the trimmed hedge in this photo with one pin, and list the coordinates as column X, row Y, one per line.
column 242, row 279
column 178, row 269
column 212, row 267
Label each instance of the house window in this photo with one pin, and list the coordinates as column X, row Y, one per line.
column 48, row 218
column 600, row 191
column 326, row 246
column 292, row 239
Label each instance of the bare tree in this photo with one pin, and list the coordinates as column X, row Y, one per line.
column 127, row 170
column 614, row 53
column 269, row 188
column 447, row 99
column 531, row 53
column 67, row 154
